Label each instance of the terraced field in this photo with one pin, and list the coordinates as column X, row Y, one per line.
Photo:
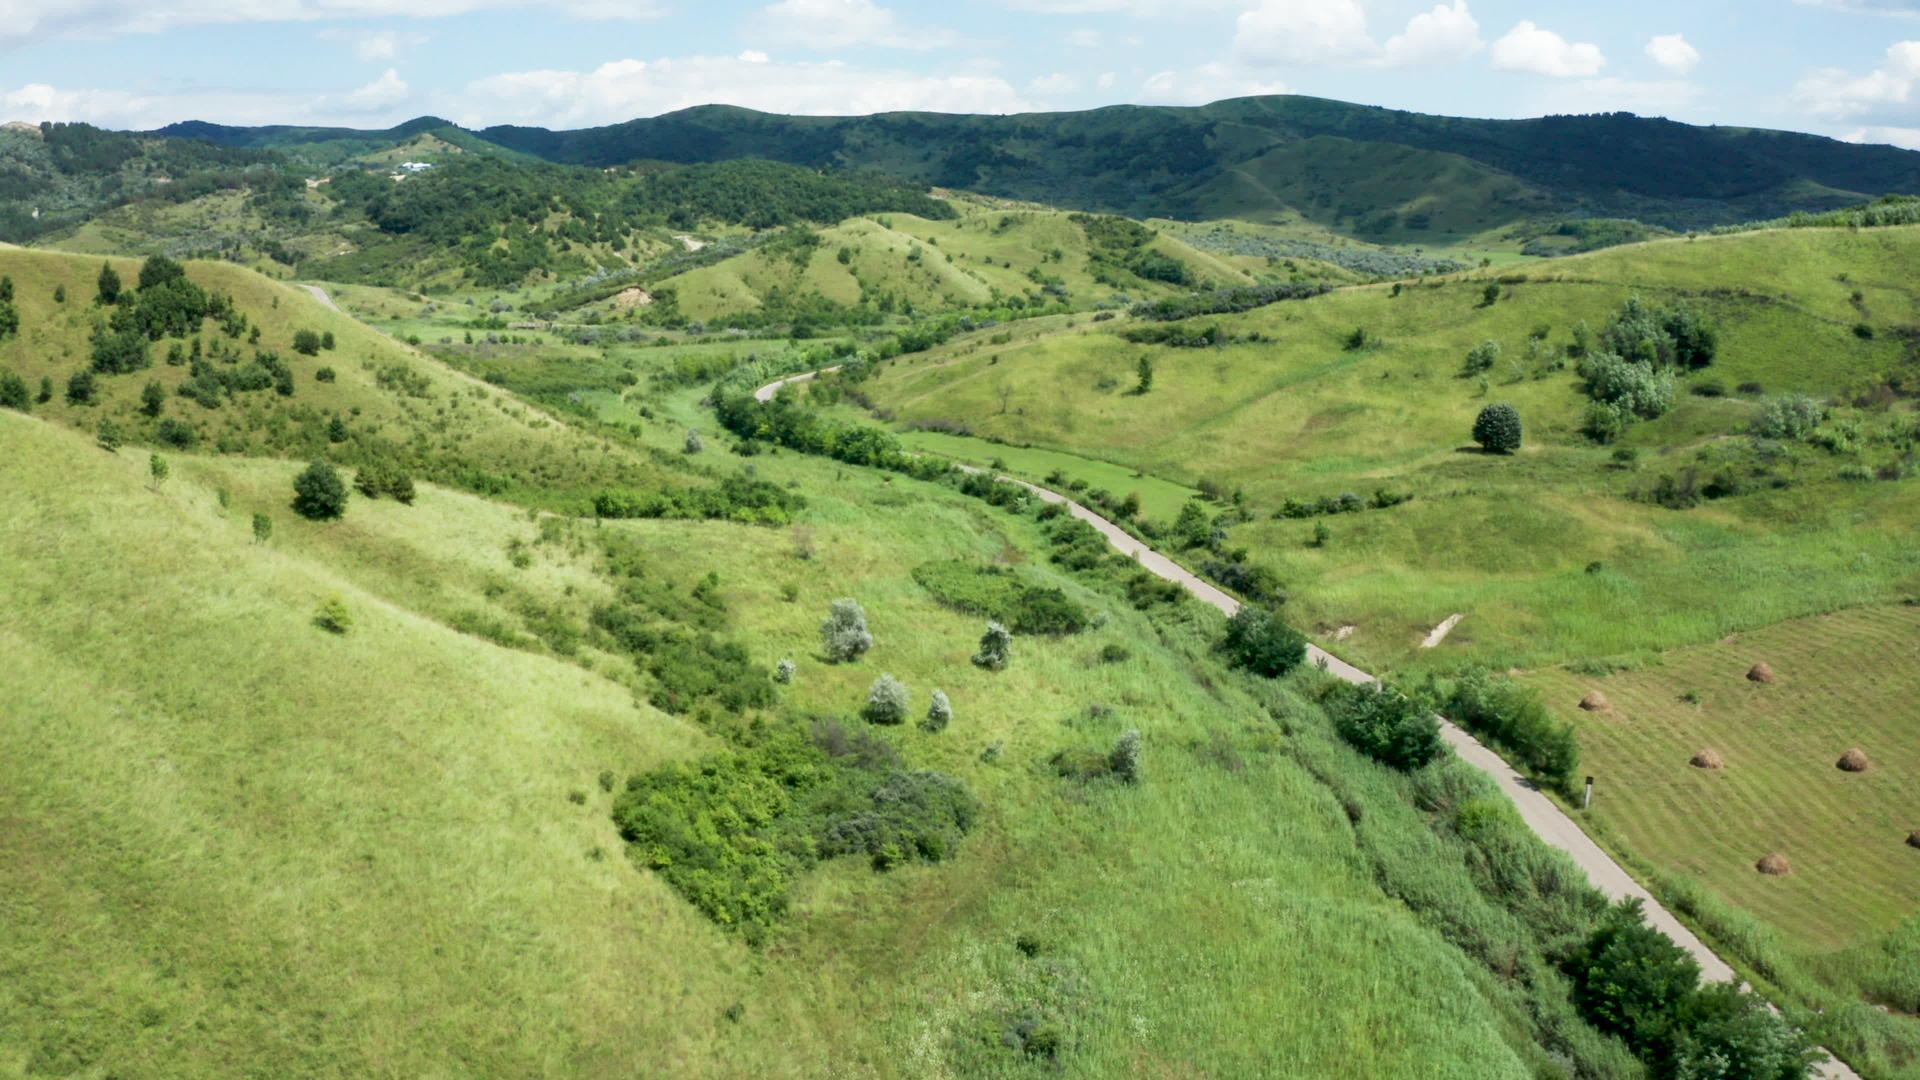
column 1843, row 681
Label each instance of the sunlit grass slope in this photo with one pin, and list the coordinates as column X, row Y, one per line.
column 239, row 844
column 1506, row 541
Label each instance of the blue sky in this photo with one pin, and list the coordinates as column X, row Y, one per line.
column 1849, row 68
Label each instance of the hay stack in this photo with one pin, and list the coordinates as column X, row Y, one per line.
column 1854, row 760
column 1774, row 865
column 1707, row 759
column 1760, row 673
column 1595, row 701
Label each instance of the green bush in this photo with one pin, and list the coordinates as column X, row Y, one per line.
column 1000, row 594
column 996, row 648
column 1259, row 642
column 939, row 712
column 1497, row 428
column 14, row 393
column 383, row 477
column 844, row 633
column 886, row 701
column 318, row 493
column 1386, row 725
column 334, row 617
column 1515, row 720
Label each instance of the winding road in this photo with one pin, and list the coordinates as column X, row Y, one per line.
column 1546, row 819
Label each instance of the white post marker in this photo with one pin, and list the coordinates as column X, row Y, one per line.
column 1587, row 804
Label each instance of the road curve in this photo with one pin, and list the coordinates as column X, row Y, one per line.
column 321, row 295
column 1541, row 814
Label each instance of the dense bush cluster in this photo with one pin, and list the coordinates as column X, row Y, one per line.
column 1497, row 428
column 319, row 494
column 1373, row 262
column 1001, row 594
column 1344, row 503
column 1512, row 718
column 733, row 831
column 737, row 498
column 1258, row 641
column 1228, row 301
column 1385, row 724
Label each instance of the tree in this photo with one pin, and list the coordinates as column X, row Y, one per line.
column 318, row 493
column 1261, row 643
column 9, row 319
column 153, row 398
column 59, row 294
column 159, row 270
column 326, row 340
column 844, row 633
column 6, row 289
column 996, row 648
column 382, row 477
column 1497, row 428
column 46, row 390
column 1730, row 1034
column 1490, row 295
column 81, row 389
column 1386, row 725
column 1632, row 981
column 694, row 444
column 1193, row 528
column 337, row 430
column 13, row 392
column 1481, row 357
column 110, row 436
column 1321, row 534
column 109, row 285
column 783, row 672
column 939, row 712
column 334, row 617
column 1124, row 760
column 262, row 528
column 158, row 468
column 1146, row 375
column 306, row 343
column 886, row 701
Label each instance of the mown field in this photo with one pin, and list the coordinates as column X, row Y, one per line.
column 1843, row 681
column 1547, row 553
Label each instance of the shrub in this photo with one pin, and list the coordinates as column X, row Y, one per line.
column 14, row 393
column 383, row 477
column 1386, row 725
column 1514, row 719
column 318, row 493
column 1789, row 417
column 1112, row 653
column 1481, row 357
column 694, row 443
column 325, row 374
column 1635, row 385
column 177, row 433
column 1000, row 594
column 333, row 616
column 306, row 343
column 158, row 470
column 1497, row 428
column 783, row 672
column 996, row 648
column 939, row 712
column 1259, row 642
column 844, row 632
column 81, row 389
column 886, row 701
column 262, row 528
column 1124, row 760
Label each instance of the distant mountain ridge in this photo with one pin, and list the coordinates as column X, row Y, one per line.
column 1257, row 157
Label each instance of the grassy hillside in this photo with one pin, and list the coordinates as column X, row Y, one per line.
column 260, row 845
column 1549, row 554
column 388, row 400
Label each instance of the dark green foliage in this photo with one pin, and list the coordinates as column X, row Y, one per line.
column 262, row 528
column 153, row 398
column 325, row 374
column 996, row 648
column 59, row 294
column 999, row 593
column 81, row 389
column 1255, row 581
column 1514, row 719
column 1259, row 642
column 732, row 832
column 9, row 319
column 1227, row 301
column 695, row 667
column 1386, row 725
column 6, row 289
column 1490, row 295
column 1481, row 358
column 1124, row 759
column 1121, row 762
column 333, row 615
column 1730, row 1034
column 109, row 285
column 1664, row 337
column 14, row 393
column 159, row 270
column 1146, row 377
column 326, row 340
column 177, row 433
column 46, row 390
column 1497, row 428
column 1344, row 503
column 1194, row 526
column 306, row 343
column 319, row 494
column 119, row 352
column 382, row 476
column 754, row 502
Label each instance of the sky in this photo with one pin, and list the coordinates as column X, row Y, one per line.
column 1846, row 68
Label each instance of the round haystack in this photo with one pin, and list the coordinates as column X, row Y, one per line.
column 1774, row 865
column 1595, row 701
column 1854, row 760
column 1760, row 673
column 1706, row 759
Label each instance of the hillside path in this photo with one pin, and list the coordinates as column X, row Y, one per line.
column 1546, row 819
column 321, row 295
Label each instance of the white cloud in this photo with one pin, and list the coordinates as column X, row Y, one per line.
column 1444, row 35
column 1530, row 49
column 1140, row 9
column 1106, row 81
column 754, row 56
column 1904, row 8
column 1086, row 38
column 1905, row 138
column 624, row 89
column 1673, row 52
column 29, row 20
column 1838, row 95
column 1203, row 84
column 375, row 45
column 836, row 24
column 382, row 93
column 1334, row 32
column 1303, row 32
column 1055, row 84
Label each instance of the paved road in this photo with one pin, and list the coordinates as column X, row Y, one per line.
column 1540, row 813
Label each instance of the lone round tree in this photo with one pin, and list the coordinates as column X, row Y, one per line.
column 1498, row 428
column 319, row 494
